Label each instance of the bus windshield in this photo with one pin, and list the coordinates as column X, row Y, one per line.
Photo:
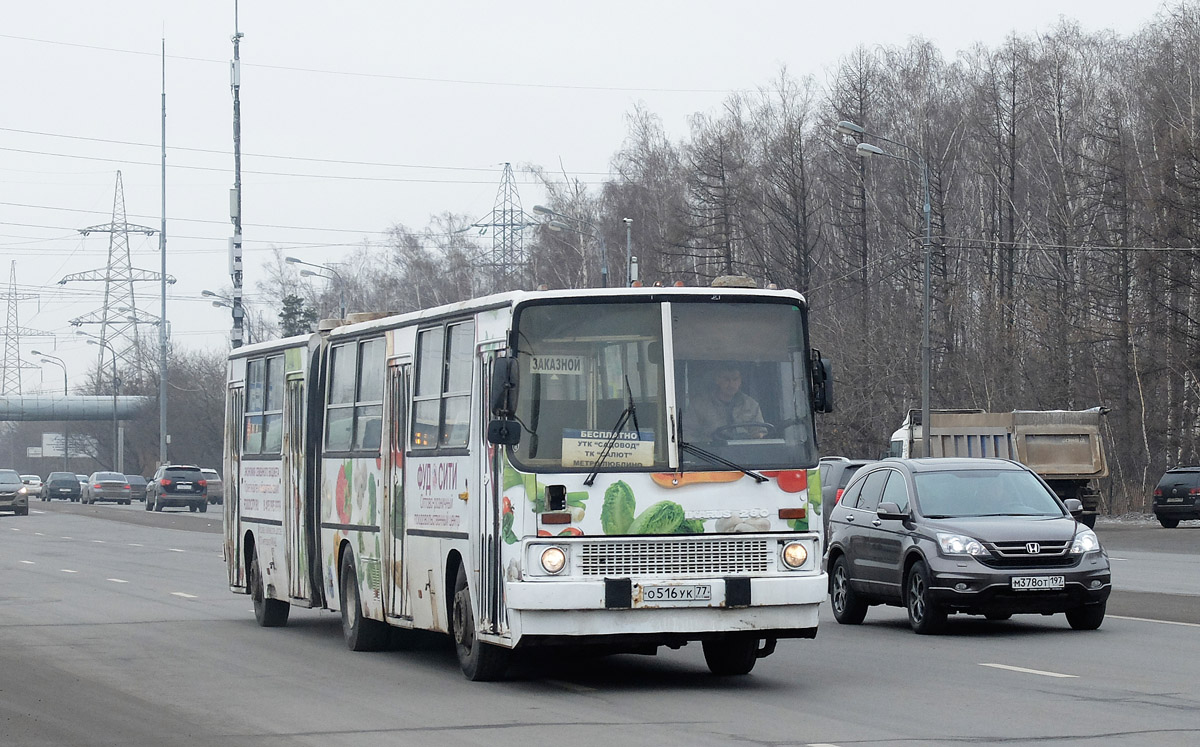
column 593, row 378
column 741, row 385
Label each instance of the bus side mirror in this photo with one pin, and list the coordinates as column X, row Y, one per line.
column 504, row 432
column 504, row 387
column 822, row 383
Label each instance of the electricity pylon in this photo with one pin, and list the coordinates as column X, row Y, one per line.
column 119, row 316
column 13, row 332
column 507, row 260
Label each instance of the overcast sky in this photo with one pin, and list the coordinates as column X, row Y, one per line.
column 360, row 115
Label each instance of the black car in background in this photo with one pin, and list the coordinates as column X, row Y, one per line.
column 61, row 485
column 836, row 472
column 976, row 536
column 177, row 485
column 137, row 486
column 1177, row 496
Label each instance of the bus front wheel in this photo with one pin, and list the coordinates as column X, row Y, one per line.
column 731, row 656
column 480, row 661
column 362, row 634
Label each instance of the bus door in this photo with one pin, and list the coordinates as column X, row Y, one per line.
column 295, row 518
column 491, row 580
column 235, row 410
column 395, row 588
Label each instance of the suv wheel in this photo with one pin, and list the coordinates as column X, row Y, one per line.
column 1167, row 522
column 1087, row 617
column 925, row 616
column 848, row 608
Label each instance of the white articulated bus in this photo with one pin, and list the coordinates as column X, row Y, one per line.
column 619, row 469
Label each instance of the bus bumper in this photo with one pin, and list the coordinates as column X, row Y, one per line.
column 778, row 607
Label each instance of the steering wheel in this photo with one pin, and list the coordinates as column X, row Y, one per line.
column 726, row 432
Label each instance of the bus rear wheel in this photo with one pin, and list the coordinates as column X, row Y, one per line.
column 480, row 661
column 362, row 634
column 270, row 613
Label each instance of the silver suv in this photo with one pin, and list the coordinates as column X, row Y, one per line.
column 14, row 494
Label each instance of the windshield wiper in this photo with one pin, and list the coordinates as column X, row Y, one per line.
column 630, row 412
column 719, row 460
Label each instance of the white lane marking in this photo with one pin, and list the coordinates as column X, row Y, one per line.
column 571, row 686
column 821, row 744
column 135, row 544
column 68, row 570
column 117, row 580
column 99, row 542
column 185, row 596
column 15, row 529
column 28, row 562
column 175, row 549
column 1152, row 620
column 1112, row 558
column 38, row 534
column 1029, row 671
column 67, row 538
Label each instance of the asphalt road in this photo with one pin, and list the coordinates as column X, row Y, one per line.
column 117, row 628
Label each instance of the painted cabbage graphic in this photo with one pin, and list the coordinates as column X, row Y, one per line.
column 617, row 513
column 663, row 517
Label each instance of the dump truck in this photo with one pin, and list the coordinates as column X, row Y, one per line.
column 1063, row 446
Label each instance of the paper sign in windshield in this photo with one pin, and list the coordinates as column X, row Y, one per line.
column 567, row 365
column 582, row 448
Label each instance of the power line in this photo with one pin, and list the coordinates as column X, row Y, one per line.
column 213, row 151
column 389, row 76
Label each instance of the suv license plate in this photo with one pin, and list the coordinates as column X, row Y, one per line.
column 183, row 486
column 1037, row 583
column 677, row 593
column 1175, row 499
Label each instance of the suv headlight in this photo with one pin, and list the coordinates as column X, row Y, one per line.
column 22, row 490
column 1085, row 542
column 960, row 544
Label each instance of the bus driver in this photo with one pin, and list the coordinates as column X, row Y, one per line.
column 710, row 413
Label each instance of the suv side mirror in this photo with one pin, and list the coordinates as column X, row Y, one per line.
column 1074, row 506
column 891, row 512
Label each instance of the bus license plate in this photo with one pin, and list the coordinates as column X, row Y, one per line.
column 677, row 593
column 1037, row 583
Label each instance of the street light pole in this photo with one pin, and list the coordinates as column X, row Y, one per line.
column 55, row 360
column 117, row 466
column 866, row 150
column 336, row 275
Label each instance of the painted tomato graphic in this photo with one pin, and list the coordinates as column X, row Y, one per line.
column 790, row 480
column 342, row 495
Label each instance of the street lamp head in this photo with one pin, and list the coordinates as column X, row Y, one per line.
column 845, row 127
column 209, row 293
column 293, row 260
column 92, row 342
column 555, row 225
column 222, row 304
column 866, row 150
column 37, row 352
column 542, row 210
column 308, row 274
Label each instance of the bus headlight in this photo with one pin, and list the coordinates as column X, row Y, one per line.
column 553, row 560
column 794, row 555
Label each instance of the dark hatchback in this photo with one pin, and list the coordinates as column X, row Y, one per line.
column 177, row 485
column 1177, row 496
column 975, row 536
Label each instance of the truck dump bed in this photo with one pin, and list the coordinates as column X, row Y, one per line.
column 1057, row 444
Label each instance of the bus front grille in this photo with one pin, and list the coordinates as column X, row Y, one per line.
column 679, row 557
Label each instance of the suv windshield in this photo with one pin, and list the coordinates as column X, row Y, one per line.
column 739, row 377
column 8, row 475
column 961, row 493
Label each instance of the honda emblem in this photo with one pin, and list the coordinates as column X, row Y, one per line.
column 1032, row 548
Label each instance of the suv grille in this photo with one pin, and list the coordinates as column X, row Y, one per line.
column 1017, row 555
column 696, row 557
